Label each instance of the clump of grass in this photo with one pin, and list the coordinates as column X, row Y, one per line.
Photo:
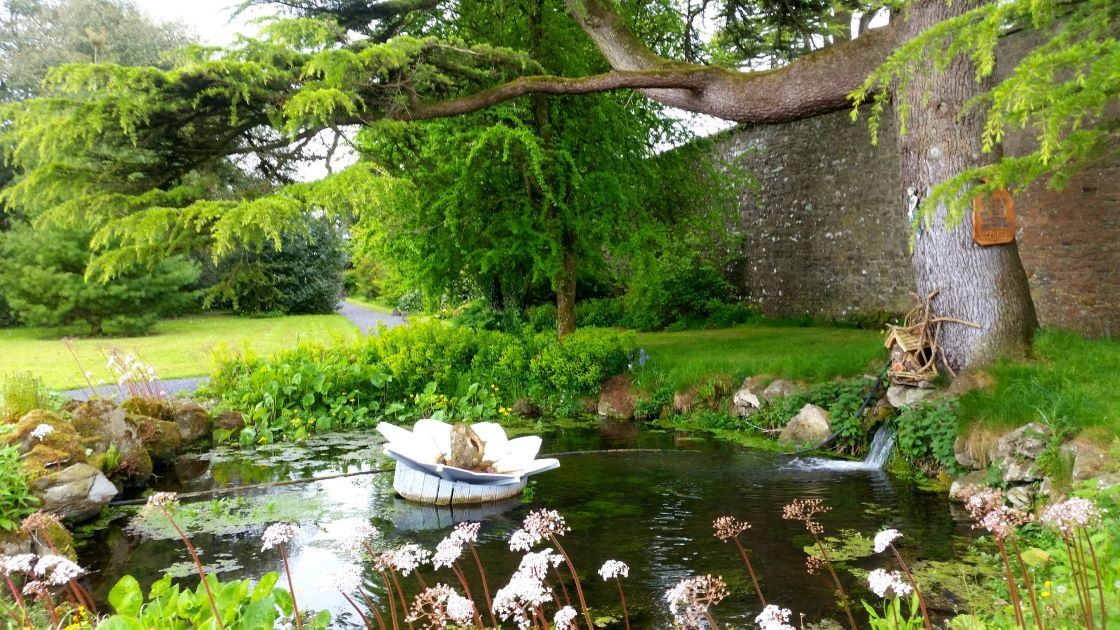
column 681, row 359
column 20, row 392
column 1069, row 383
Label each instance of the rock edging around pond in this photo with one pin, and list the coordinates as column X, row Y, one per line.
column 76, row 461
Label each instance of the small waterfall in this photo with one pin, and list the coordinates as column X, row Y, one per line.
column 882, row 445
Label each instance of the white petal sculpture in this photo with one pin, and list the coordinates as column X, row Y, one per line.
column 421, row 477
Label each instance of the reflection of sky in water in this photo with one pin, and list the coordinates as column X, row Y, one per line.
column 652, row 510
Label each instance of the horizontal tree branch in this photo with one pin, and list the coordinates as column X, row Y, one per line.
column 690, row 79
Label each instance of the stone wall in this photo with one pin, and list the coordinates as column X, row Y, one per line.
column 826, row 234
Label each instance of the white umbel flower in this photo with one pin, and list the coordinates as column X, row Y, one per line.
column 884, row 538
column 278, row 534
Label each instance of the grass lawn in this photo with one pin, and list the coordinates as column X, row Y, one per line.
column 176, row 348
column 679, row 359
column 1070, row 382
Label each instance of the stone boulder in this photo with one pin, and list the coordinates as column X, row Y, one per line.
column 809, row 426
column 77, row 492
column 1018, row 452
column 522, row 408
column 46, row 442
column 1090, row 459
column 102, row 423
column 745, row 401
column 1021, row 497
column 959, row 489
column 192, row 419
column 617, row 399
column 900, row 396
column 161, row 438
column 781, row 388
column 230, row 421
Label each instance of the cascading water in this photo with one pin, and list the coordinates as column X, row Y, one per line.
column 882, row 445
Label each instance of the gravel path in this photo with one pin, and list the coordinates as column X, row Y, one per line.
column 174, row 387
column 365, row 319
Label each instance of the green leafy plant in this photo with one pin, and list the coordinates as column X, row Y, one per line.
column 926, row 433
column 16, row 500
column 241, row 604
column 20, row 393
column 893, row 617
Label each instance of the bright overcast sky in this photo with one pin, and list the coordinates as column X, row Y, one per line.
column 209, row 19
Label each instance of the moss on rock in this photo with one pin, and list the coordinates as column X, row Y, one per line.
column 160, row 437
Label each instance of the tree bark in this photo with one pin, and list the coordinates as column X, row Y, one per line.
column 984, row 285
column 566, row 294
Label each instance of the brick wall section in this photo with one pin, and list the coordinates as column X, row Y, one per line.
column 827, row 232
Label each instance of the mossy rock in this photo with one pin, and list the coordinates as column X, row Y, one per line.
column 134, row 468
column 151, row 407
column 43, row 460
column 160, row 437
column 59, row 448
column 102, row 423
column 61, row 541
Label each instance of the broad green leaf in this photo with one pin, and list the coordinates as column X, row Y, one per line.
column 126, row 597
column 117, row 622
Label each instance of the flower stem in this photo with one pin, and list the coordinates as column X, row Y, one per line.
column 467, row 590
column 485, row 587
column 575, row 576
column 373, row 607
column 914, row 585
column 19, row 600
column 400, row 593
column 563, row 587
column 1074, row 573
column 1027, row 581
column 836, row 579
column 1097, row 573
column 750, row 569
column 622, row 596
column 392, row 601
column 1085, row 578
column 198, row 566
column 1014, row 590
column 711, row 622
column 365, row 620
column 288, row 572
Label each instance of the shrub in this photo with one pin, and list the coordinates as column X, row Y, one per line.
column 304, row 276
column 601, row 312
column 411, row 301
column 42, row 276
column 577, row 364
column 16, row 501
column 410, row 372
column 541, row 318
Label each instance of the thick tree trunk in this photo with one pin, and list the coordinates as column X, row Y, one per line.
column 984, row 285
column 566, row 295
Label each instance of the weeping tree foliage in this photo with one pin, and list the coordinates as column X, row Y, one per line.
column 537, row 191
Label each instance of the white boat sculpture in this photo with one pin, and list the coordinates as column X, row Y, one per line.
column 421, row 477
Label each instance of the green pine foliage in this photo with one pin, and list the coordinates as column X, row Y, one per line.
column 1063, row 92
column 42, row 275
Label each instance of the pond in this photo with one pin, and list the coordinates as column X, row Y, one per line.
column 645, row 497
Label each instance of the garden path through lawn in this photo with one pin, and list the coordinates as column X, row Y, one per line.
column 365, row 319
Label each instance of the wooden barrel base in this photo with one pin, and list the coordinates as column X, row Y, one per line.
column 416, row 485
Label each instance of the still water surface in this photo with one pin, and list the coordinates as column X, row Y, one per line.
column 652, row 509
